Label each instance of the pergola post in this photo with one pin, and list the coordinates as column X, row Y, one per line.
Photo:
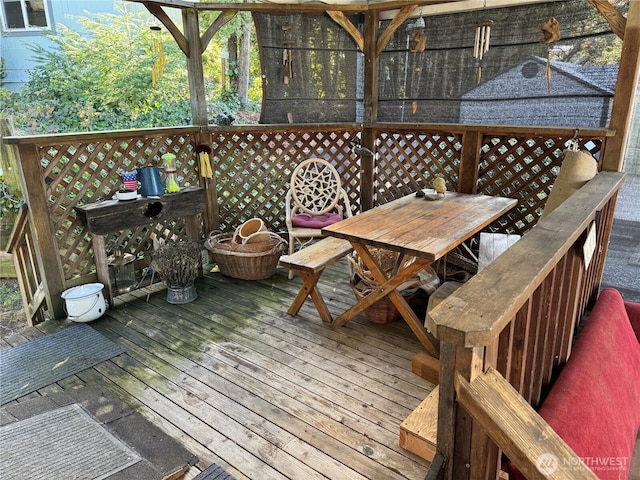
column 197, row 95
column 371, row 64
column 613, row 159
column 42, row 229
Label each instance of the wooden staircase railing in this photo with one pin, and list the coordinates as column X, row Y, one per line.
column 516, row 428
column 28, row 270
column 518, row 317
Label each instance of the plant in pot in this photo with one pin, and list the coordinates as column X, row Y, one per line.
column 362, row 283
column 177, row 263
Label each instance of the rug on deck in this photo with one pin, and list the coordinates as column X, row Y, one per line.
column 81, row 454
column 214, row 472
column 50, row 358
column 62, row 443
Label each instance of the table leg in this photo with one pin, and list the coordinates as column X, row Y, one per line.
column 102, row 266
column 310, row 288
column 413, row 321
column 382, row 291
column 387, row 287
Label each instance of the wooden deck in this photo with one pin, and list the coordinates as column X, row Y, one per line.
column 241, row 383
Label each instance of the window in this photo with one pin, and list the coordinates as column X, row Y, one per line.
column 24, row 15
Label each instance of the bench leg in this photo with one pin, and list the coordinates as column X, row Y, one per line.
column 310, row 289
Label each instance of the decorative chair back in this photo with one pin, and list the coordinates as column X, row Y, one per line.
column 315, row 186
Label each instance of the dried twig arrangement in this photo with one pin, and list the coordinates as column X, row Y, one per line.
column 177, row 262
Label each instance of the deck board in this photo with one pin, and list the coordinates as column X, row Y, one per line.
column 241, row 383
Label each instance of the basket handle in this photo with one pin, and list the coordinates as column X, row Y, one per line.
column 256, row 234
column 282, row 244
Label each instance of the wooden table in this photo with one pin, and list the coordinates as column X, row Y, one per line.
column 413, row 226
column 109, row 216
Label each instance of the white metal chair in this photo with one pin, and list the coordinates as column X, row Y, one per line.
column 315, row 200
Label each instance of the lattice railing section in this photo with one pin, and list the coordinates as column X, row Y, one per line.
column 524, row 168
column 408, row 161
column 253, row 169
column 77, row 173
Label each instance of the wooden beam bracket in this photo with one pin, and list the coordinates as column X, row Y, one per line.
column 341, row 19
column 157, row 11
column 398, row 20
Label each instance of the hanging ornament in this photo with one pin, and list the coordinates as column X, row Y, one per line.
column 286, row 56
column 547, row 71
column 418, row 36
column 158, row 52
column 550, row 31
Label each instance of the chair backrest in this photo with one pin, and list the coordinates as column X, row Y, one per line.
column 315, row 186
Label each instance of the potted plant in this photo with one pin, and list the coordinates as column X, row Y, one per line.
column 177, row 264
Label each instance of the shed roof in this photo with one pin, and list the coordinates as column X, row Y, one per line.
column 576, row 79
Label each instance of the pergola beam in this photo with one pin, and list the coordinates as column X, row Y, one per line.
column 616, row 20
column 398, row 20
column 341, row 19
column 156, row 10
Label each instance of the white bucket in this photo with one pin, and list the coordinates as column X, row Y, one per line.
column 84, row 302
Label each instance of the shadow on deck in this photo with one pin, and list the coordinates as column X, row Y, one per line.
column 239, row 382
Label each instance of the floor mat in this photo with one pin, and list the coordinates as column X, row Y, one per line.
column 48, row 359
column 162, row 456
column 214, row 472
column 62, row 443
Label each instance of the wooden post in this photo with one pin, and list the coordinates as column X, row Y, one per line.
column 613, row 158
column 44, row 235
column 371, row 64
column 454, row 425
column 194, row 67
column 470, row 157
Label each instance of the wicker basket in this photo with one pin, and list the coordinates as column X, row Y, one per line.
column 250, row 261
column 383, row 310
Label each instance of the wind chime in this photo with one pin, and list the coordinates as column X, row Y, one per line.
column 158, row 53
column 286, row 56
column 481, row 44
column 418, row 44
column 550, row 33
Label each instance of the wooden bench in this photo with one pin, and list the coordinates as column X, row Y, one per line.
column 310, row 262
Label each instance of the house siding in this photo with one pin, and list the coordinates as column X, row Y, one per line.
column 16, row 45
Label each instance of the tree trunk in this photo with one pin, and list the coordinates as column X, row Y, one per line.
column 244, row 64
column 232, row 46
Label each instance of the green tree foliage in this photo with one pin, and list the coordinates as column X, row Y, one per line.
column 227, row 44
column 102, row 80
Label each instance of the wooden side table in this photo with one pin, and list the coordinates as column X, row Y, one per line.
column 108, row 216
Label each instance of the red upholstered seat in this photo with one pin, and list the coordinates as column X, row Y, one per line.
column 306, row 220
column 594, row 405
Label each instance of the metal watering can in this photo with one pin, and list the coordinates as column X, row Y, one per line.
column 150, row 183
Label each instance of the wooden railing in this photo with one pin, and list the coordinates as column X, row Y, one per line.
column 519, row 316
column 252, row 166
column 28, row 270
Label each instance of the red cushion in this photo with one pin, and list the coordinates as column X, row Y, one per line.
column 633, row 310
column 306, row 220
column 594, row 405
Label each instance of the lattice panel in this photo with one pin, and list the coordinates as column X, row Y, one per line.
column 253, row 170
column 409, row 161
column 77, row 173
column 524, row 168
